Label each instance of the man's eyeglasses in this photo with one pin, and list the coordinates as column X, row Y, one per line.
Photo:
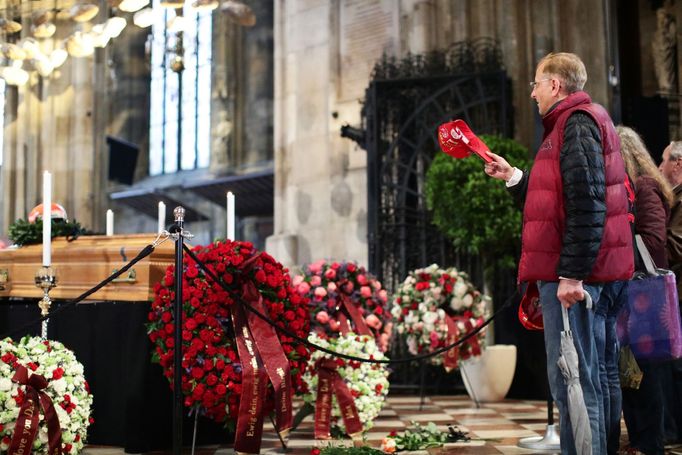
column 534, row 84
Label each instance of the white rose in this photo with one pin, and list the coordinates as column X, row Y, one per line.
column 456, row 303
column 5, row 384
column 460, row 288
column 10, row 403
column 59, row 386
column 430, row 318
column 468, row 300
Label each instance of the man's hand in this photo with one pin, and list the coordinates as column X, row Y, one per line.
column 570, row 292
column 499, row 168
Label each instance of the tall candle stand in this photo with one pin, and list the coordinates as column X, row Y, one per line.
column 45, row 279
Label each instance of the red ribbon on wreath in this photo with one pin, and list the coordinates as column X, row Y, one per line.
column 355, row 316
column 262, row 358
column 451, row 356
column 26, row 427
column 275, row 360
column 328, row 381
column 254, row 387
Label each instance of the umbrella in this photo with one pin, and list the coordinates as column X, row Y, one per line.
column 568, row 364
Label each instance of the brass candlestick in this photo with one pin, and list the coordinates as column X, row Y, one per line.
column 45, row 279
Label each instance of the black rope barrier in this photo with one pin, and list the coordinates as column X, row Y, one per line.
column 146, row 251
column 305, row 342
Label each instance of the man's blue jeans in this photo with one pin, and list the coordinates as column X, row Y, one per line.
column 613, row 297
column 581, row 320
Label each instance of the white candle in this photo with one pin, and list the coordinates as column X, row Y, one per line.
column 47, row 218
column 110, row 222
column 230, row 215
column 162, row 216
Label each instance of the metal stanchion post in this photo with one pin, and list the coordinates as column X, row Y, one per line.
column 548, row 442
column 178, row 234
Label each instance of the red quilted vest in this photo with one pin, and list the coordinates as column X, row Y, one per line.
column 544, row 215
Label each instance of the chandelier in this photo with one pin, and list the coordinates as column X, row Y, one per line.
column 38, row 50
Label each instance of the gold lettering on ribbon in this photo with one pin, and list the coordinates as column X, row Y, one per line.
column 324, row 408
column 253, row 408
column 285, row 393
column 348, row 412
column 247, row 340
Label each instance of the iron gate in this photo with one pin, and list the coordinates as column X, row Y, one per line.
column 405, row 102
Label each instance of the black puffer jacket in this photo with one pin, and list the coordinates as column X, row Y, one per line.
column 584, row 185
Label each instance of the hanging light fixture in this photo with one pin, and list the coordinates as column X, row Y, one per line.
column 239, row 13
column 9, row 26
column 100, row 37
column 30, row 46
column 172, row 4
column 80, row 45
column 130, row 6
column 114, row 26
column 14, row 74
column 13, row 52
column 43, row 64
column 41, row 26
column 144, row 18
column 83, row 12
column 43, row 31
column 58, row 56
column 205, row 5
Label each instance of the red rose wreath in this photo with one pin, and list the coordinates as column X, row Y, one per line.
column 213, row 369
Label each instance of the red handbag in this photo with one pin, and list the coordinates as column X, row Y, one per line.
column 530, row 311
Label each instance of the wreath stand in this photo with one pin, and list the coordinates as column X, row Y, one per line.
column 178, row 234
column 550, row 441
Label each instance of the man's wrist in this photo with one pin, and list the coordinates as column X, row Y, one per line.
column 575, row 280
column 515, row 178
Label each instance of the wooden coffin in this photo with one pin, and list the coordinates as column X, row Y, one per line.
column 85, row 262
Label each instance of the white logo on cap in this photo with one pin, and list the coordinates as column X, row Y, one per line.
column 456, row 133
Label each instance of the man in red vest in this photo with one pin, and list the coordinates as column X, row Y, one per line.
column 576, row 236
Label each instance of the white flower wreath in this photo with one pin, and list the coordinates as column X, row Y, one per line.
column 66, row 387
column 426, row 297
column 368, row 382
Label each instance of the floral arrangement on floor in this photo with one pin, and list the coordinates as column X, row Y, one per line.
column 212, row 370
column 425, row 301
column 66, row 387
column 421, row 437
column 368, row 382
column 325, row 284
column 333, row 450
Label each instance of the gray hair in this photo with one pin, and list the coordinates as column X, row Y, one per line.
column 567, row 67
column 675, row 150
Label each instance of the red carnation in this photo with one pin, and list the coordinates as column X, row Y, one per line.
column 57, row 373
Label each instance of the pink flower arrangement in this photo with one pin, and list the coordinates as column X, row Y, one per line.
column 326, row 284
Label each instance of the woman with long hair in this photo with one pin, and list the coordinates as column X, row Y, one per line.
column 644, row 408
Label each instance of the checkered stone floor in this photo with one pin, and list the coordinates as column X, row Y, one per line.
column 494, row 428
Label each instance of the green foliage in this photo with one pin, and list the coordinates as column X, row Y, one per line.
column 418, row 437
column 474, row 210
column 364, row 450
column 21, row 232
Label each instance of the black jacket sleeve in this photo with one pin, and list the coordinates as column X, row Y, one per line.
column 584, row 185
